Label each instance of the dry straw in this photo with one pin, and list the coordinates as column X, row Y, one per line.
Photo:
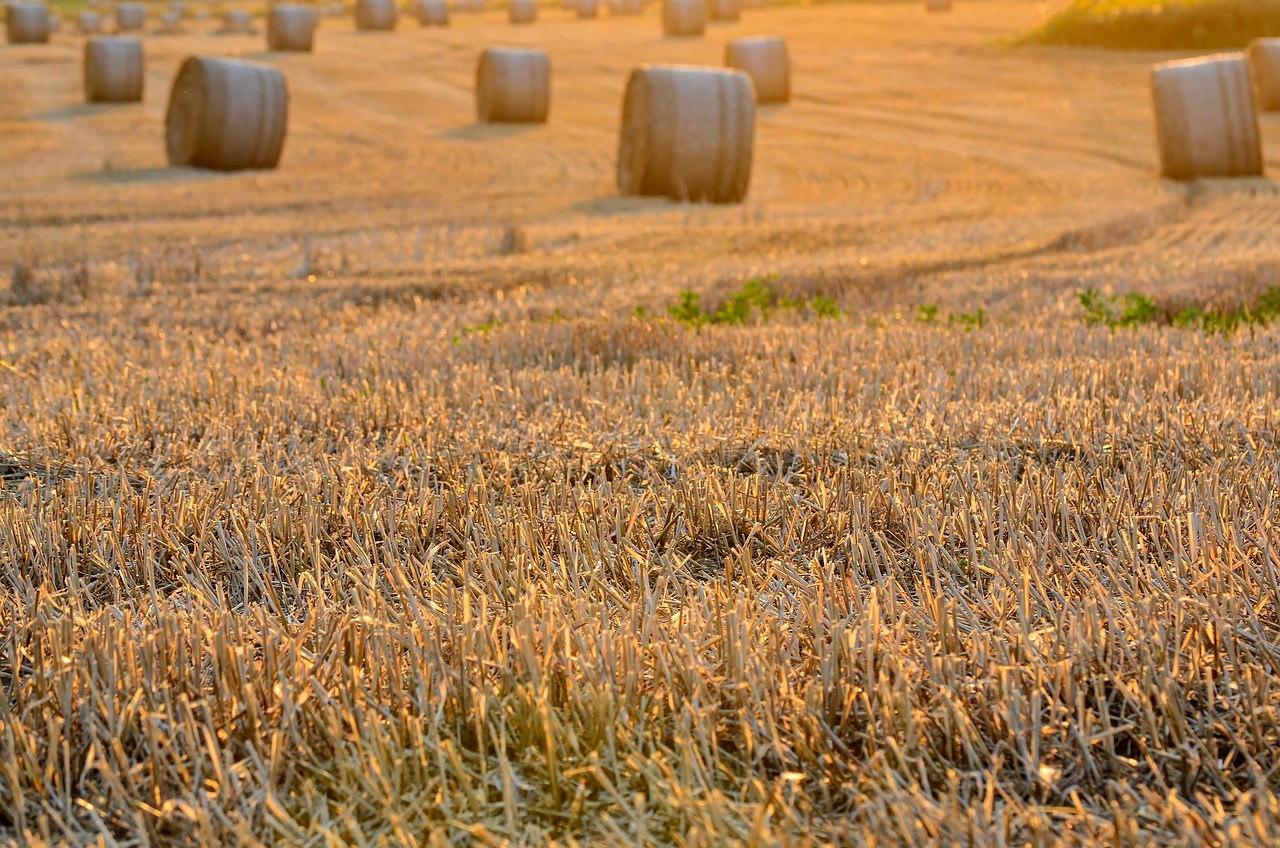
column 513, row 86
column 291, row 27
column 28, row 23
column 375, row 15
column 226, row 114
column 131, row 17
column 684, row 17
column 687, row 134
column 114, row 70
column 1205, row 118
column 1264, row 61
column 522, row 11
column 768, row 63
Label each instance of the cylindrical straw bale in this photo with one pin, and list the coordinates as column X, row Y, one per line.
column 767, row 62
column 89, row 23
column 684, row 17
column 513, row 86
column 131, row 17
column 376, row 14
column 433, row 13
column 687, row 134
column 1264, row 59
column 237, row 21
column 28, row 23
column 937, row 5
column 588, row 9
column 226, row 114
column 626, row 7
column 291, row 27
column 171, row 21
column 113, row 70
column 724, row 10
column 1205, row 119
column 179, row 7
column 522, row 11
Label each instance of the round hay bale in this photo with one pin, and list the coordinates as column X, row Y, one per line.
column 1264, row 60
column 687, row 134
column 767, row 62
column 131, row 17
column 28, row 23
column 724, row 10
column 626, row 7
column 179, row 8
column 522, row 11
column 1206, row 124
column 171, row 22
column 376, row 15
column 588, row 9
column 89, row 23
column 291, row 27
column 681, row 18
column 55, row 24
column 226, row 114
column 113, row 70
column 237, row 22
column 937, row 5
column 433, row 13
column 513, row 86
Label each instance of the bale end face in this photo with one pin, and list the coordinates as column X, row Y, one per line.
column 768, row 63
column 687, row 134
column 226, row 115
column 114, row 70
column 1206, row 124
column 513, row 86
column 1264, row 63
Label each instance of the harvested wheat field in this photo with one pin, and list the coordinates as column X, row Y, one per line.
column 425, row 491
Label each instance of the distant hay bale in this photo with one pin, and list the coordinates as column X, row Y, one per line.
column 291, row 27
column 468, row 5
column 626, row 7
column 179, row 8
column 1206, row 124
column 113, row 70
column 724, row 10
column 522, row 11
column 937, row 5
column 687, row 134
column 376, row 15
column 237, row 22
column 767, row 62
column 28, row 23
column 588, row 9
column 433, row 13
column 89, row 23
column 171, row 22
column 131, row 17
column 1264, row 61
column 226, row 114
column 513, row 86
column 684, row 17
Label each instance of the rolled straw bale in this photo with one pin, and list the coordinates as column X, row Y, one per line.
column 131, row 17
column 171, row 22
column 291, row 27
column 684, row 17
column 468, row 5
column 237, row 22
column 626, row 7
column 588, row 9
column 113, row 70
column 1205, row 119
column 724, row 10
column 433, row 13
column 767, row 62
column 89, row 23
column 376, row 14
column 55, row 24
column 687, row 134
column 937, row 5
column 1264, row 60
column 179, row 8
column 28, row 23
column 513, row 86
column 226, row 114
column 522, row 11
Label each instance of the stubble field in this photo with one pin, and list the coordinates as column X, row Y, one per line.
column 380, row 500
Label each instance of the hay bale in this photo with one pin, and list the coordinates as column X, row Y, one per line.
column 131, row 17
column 433, row 13
column 687, row 134
column 89, row 23
column 226, row 114
column 55, row 24
column 767, row 62
column 588, row 9
column 724, row 10
column 171, row 22
column 513, row 86
column 28, row 23
column 376, row 15
column 626, row 7
column 1205, row 119
column 684, row 17
column 179, row 8
column 291, row 27
column 937, row 5
column 1264, row 61
column 522, row 11
column 113, row 70
column 237, row 22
